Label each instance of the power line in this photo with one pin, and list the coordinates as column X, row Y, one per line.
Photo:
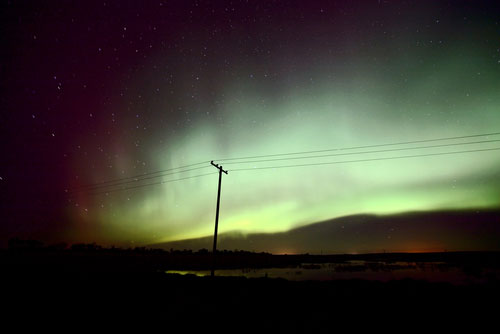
column 365, row 146
column 364, row 152
column 295, row 158
column 150, row 184
column 301, row 165
column 133, row 181
column 137, row 177
column 149, row 175
column 366, row 160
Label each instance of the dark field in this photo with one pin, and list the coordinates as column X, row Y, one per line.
column 105, row 284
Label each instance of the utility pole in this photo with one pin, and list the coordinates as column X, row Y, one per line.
column 216, row 214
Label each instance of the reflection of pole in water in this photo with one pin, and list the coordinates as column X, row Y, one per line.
column 216, row 215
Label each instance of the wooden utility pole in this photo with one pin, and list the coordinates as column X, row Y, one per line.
column 216, row 214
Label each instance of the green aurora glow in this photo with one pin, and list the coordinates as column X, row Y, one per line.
column 276, row 200
column 374, row 90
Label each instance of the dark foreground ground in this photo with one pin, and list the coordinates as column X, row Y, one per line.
column 92, row 289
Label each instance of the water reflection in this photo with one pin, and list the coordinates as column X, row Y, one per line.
column 381, row 271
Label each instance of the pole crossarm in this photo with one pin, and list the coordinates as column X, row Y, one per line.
column 218, row 167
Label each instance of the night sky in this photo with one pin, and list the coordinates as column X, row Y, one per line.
column 99, row 91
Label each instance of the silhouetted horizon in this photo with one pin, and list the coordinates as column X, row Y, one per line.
column 479, row 229
column 444, row 230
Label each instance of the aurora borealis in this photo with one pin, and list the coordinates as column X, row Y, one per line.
column 95, row 91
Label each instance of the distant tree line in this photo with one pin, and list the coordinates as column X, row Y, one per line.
column 17, row 244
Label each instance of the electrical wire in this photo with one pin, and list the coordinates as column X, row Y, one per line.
column 365, row 160
column 134, row 180
column 149, row 184
column 299, row 165
column 360, row 147
column 364, row 152
column 181, row 169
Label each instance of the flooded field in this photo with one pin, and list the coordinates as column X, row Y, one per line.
column 379, row 271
